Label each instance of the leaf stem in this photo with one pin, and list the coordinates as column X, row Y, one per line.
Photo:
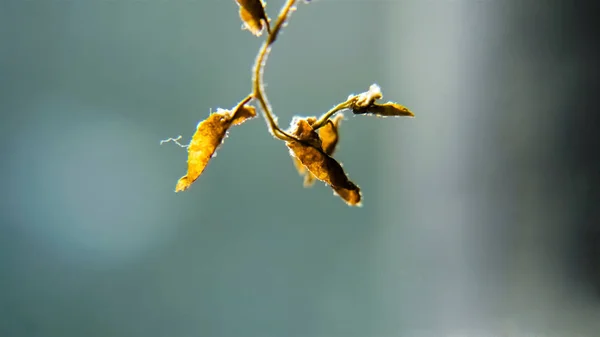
column 243, row 102
column 325, row 117
column 258, row 71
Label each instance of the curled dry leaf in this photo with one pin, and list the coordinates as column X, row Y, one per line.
column 329, row 135
column 309, row 151
column 389, row 109
column 207, row 138
column 252, row 13
column 365, row 104
column 309, row 178
column 242, row 113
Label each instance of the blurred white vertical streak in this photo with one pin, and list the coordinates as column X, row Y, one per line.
column 425, row 280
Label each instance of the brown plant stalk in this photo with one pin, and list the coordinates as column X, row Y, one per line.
column 259, row 66
column 311, row 141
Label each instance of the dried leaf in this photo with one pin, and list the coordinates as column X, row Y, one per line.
column 301, row 168
column 351, row 195
column 207, row 138
column 329, row 138
column 310, row 153
column 389, row 109
column 365, row 104
column 243, row 113
column 309, row 179
column 209, row 135
column 252, row 13
column 329, row 134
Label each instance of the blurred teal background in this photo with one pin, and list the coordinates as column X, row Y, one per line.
column 467, row 217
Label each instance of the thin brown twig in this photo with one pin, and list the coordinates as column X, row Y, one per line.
column 325, row 118
column 258, row 71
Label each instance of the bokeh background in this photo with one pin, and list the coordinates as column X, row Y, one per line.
column 481, row 215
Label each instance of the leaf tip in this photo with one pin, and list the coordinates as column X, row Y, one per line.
column 351, row 194
column 182, row 184
column 252, row 13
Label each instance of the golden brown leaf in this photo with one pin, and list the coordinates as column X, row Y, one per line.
column 301, row 168
column 365, row 104
column 207, row 138
column 329, row 134
column 243, row 113
column 309, row 179
column 252, row 13
column 303, row 172
column 351, row 195
column 389, row 109
column 329, row 138
column 309, row 152
column 209, row 135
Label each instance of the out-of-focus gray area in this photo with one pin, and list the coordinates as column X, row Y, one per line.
column 479, row 215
